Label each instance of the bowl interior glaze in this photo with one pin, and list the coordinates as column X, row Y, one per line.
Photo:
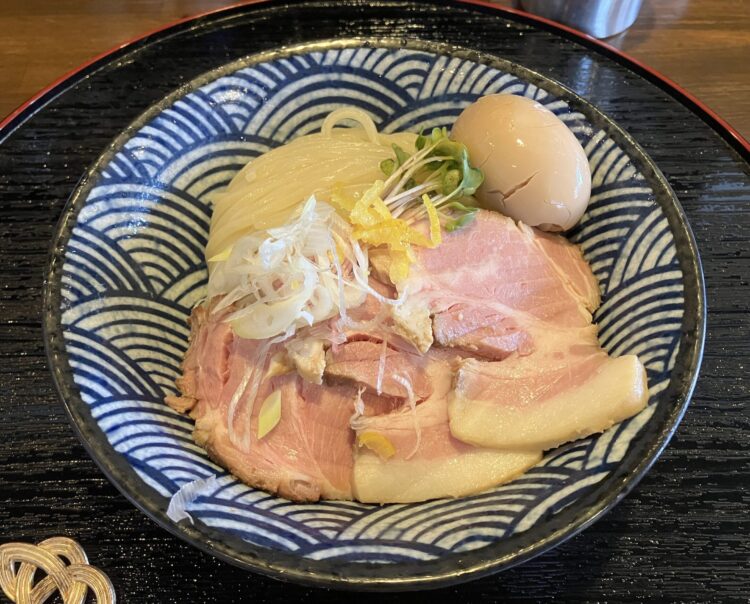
column 129, row 266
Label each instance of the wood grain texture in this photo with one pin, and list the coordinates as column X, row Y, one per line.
column 680, row 536
column 701, row 44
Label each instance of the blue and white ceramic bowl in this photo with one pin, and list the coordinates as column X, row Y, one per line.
column 128, row 268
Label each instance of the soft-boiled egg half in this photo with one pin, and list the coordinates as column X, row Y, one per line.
column 535, row 170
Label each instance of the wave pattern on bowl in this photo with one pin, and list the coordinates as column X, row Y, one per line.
column 134, row 269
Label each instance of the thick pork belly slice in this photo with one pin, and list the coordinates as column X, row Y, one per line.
column 307, row 456
column 517, row 267
column 535, row 402
column 435, row 464
column 458, row 473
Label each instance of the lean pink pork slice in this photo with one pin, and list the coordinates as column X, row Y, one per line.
column 307, row 456
column 428, row 461
column 520, row 301
column 510, row 266
column 359, row 362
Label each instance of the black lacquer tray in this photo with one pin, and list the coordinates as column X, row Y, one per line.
column 50, row 485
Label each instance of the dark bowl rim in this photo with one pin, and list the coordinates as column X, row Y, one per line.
column 289, row 569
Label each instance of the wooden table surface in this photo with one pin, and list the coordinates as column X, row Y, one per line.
column 703, row 45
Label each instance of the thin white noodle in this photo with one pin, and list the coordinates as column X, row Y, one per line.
column 402, row 345
column 263, row 196
column 351, row 113
column 323, row 331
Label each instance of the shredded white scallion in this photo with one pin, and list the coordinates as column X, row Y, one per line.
column 260, row 370
column 412, row 402
column 381, row 366
column 359, row 409
column 234, row 402
column 362, row 279
column 292, row 276
column 187, row 494
column 339, row 282
column 249, row 383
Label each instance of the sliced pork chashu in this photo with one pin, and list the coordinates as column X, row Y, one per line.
column 308, row 454
column 514, row 368
column 358, row 362
column 513, row 266
column 456, row 472
column 520, row 301
column 427, row 461
column 520, row 403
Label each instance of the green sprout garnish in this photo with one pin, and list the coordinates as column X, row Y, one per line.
column 401, row 155
column 466, row 215
column 451, row 179
column 435, row 137
column 441, row 169
column 387, row 166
